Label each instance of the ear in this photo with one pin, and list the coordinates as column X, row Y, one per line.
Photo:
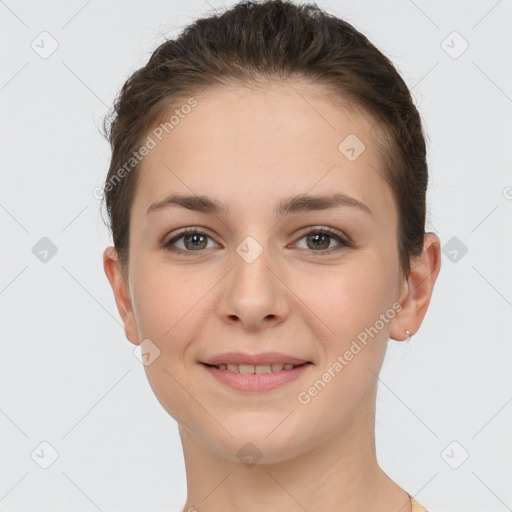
column 417, row 289
column 118, row 282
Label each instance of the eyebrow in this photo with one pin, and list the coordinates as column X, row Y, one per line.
column 295, row 204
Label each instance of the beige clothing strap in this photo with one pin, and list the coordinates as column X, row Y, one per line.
column 416, row 507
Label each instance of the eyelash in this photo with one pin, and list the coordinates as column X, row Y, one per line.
column 343, row 242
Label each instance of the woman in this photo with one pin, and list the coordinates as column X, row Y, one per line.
column 266, row 196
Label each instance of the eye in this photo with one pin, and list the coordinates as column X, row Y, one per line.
column 193, row 241
column 319, row 240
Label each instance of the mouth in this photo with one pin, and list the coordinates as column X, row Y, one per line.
column 248, row 378
column 248, row 369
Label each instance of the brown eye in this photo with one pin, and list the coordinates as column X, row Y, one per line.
column 319, row 240
column 196, row 241
column 188, row 241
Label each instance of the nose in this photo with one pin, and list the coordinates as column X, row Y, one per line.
column 255, row 294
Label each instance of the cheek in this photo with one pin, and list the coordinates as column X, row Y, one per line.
column 168, row 308
column 164, row 298
column 347, row 299
column 350, row 302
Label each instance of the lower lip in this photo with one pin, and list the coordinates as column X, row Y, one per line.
column 256, row 381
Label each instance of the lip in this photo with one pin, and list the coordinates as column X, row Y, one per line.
column 256, row 382
column 263, row 358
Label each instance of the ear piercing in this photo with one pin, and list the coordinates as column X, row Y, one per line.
column 408, row 335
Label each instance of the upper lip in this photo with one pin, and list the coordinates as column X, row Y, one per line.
column 264, row 358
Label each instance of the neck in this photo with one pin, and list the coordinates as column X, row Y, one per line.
column 340, row 473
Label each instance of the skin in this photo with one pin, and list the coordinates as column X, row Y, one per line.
column 251, row 148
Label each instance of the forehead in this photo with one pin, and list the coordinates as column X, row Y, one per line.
column 286, row 136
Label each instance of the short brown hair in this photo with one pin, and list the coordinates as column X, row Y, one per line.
column 263, row 42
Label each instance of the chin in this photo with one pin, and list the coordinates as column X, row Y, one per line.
column 264, row 438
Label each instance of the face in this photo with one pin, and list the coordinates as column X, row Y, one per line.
column 318, row 280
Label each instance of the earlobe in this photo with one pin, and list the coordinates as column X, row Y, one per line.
column 417, row 289
column 119, row 285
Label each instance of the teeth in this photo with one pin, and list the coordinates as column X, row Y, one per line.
column 246, row 368
column 250, row 368
column 263, row 369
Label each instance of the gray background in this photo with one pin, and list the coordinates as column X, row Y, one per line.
column 68, row 376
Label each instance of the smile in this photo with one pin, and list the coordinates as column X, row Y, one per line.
column 250, row 368
column 256, row 378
